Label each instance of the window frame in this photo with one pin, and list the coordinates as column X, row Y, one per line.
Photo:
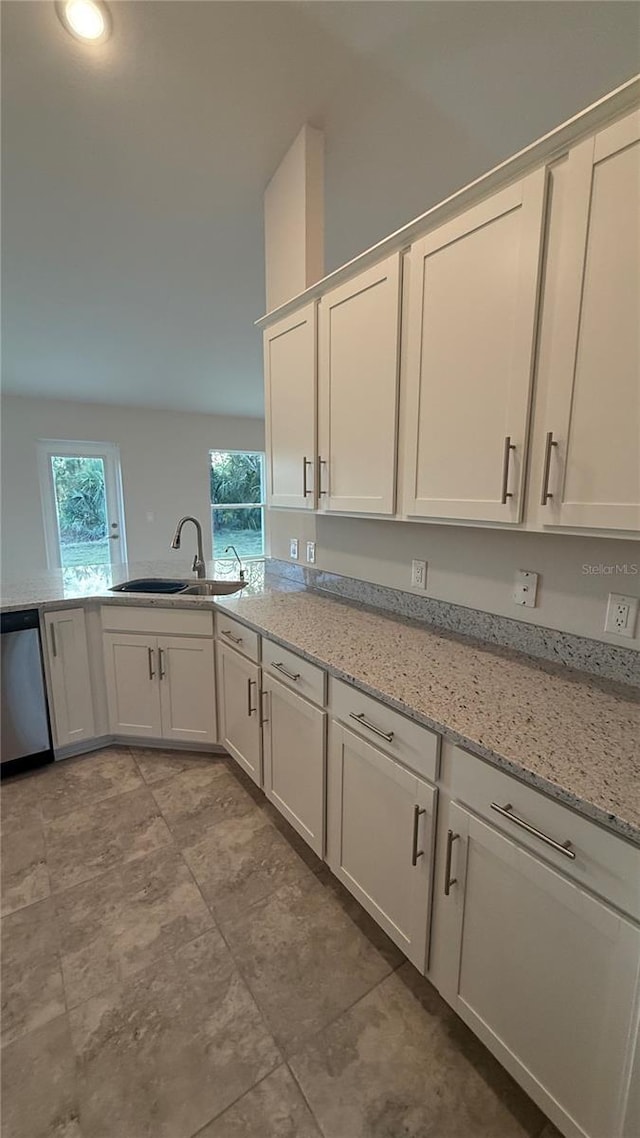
column 261, row 505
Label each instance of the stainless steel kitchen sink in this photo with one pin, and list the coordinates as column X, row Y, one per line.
column 214, row 588
column 170, row 587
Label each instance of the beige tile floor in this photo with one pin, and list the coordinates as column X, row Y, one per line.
column 175, row 962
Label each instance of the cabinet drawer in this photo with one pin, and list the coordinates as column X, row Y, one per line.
column 603, row 863
column 305, row 678
column 414, row 746
column 238, row 636
column 163, row 622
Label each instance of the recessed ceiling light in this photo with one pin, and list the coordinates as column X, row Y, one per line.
column 87, row 20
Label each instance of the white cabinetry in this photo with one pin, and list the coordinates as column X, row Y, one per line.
column 161, row 687
column 380, row 827
column 294, row 759
column 290, row 410
column 133, row 690
column 590, row 346
column 70, row 680
column 358, row 350
column 187, row 689
column 545, row 973
column 471, row 337
column 239, row 704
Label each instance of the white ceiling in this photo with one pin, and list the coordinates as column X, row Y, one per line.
column 133, row 173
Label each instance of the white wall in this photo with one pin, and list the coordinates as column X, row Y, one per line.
column 165, row 469
column 474, row 567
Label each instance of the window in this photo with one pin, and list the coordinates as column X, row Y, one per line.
column 236, row 479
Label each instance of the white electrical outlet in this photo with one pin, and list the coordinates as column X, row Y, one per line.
column 622, row 613
column 419, row 574
column 525, row 588
column 311, row 552
column 293, row 548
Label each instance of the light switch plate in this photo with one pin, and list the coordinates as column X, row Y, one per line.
column 525, row 588
column 622, row 613
column 311, row 552
column 293, row 548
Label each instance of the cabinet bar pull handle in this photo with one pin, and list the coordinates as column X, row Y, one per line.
column 360, row 718
column 448, row 879
column 236, row 639
column 506, row 455
column 54, row 646
column 286, row 672
column 561, row 847
column 162, row 667
column 415, row 852
column 264, row 717
column 305, row 489
column 250, row 709
column 549, row 444
column 321, row 463
column 150, row 661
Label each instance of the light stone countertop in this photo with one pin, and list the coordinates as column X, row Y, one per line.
column 574, row 737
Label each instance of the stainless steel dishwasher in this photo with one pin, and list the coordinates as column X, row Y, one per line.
column 25, row 733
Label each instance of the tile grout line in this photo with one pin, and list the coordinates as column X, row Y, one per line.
column 221, row 1114
column 302, row 1092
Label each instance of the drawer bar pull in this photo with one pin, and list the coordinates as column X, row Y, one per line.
column 360, row 718
column 561, row 847
column 163, row 670
column 415, row 852
column 150, row 662
column 285, row 672
column 265, row 718
column 236, row 639
column 448, row 879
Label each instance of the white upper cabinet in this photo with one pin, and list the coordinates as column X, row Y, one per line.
column 590, row 341
column 358, row 346
column 470, row 348
column 290, row 410
column 69, row 675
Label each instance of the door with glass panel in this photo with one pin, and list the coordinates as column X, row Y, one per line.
column 82, row 505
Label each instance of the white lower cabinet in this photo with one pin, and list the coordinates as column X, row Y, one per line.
column 160, row 687
column 186, row 671
column 545, row 973
column 70, row 681
column 380, row 827
column 239, row 704
column 294, row 760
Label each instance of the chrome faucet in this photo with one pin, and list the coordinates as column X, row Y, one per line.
column 198, row 566
column 241, row 573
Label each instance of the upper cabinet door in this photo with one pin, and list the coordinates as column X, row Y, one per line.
column 591, row 340
column 290, row 410
column 470, row 348
column 358, row 345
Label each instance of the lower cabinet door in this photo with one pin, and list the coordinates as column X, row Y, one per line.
column 239, row 694
column 187, row 688
column 546, row 974
column 294, row 760
column 133, row 690
column 380, row 826
column 69, row 673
